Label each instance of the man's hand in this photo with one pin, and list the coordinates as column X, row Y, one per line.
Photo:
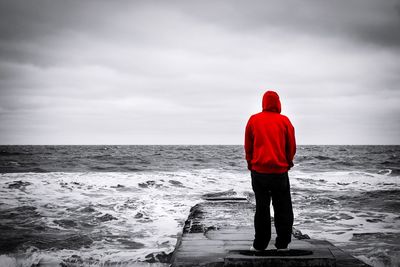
column 249, row 165
column 290, row 164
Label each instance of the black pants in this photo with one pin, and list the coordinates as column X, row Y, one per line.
column 277, row 187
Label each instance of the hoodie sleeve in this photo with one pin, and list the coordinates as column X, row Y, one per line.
column 290, row 143
column 248, row 143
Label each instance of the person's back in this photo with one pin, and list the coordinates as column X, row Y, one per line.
column 269, row 143
column 270, row 147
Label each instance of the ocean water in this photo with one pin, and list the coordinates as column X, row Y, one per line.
column 126, row 205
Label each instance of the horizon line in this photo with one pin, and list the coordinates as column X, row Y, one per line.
column 189, row 144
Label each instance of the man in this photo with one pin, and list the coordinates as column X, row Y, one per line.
column 270, row 147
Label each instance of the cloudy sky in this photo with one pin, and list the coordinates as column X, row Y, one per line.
column 192, row 72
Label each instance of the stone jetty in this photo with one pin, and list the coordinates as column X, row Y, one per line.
column 219, row 232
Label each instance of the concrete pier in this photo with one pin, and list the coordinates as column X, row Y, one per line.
column 219, row 232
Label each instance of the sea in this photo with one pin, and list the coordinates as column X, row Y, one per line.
column 110, row 205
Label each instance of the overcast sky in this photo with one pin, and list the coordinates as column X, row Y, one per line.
column 192, row 72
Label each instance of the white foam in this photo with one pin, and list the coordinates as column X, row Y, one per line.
column 7, row 261
column 338, row 180
column 165, row 206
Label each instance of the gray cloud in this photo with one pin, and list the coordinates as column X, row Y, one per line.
column 370, row 22
column 193, row 71
column 27, row 28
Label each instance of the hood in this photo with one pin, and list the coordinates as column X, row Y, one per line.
column 271, row 102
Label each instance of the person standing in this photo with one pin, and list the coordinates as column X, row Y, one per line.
column 270, row 147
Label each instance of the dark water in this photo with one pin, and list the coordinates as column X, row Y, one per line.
column 170, row 158
column 117, row 158
column 119, row 205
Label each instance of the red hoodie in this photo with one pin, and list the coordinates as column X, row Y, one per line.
column 269, row 140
